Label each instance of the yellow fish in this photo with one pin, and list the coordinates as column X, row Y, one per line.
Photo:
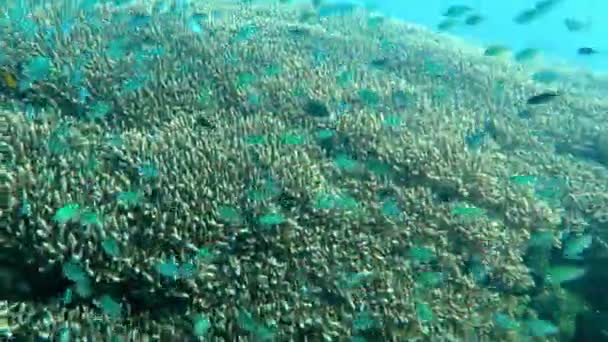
column 9, row 79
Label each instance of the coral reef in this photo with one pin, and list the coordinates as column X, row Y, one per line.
column 277, row 176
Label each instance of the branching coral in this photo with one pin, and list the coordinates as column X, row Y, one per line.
column 259, row 179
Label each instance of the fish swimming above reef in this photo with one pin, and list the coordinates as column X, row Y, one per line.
column 546, row 5
column 526, row 16
column 586, row 51
column 576, row 25
column 574, row 247
column 455, row 11
column 496, row 50
column 542, row 98
column 447, row 24
column 540, row 8
column 527, row 55
column 473, row 19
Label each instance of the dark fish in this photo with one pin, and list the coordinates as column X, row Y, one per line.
column 473, row 19
column 379, row 63
column 204, row 123
column 540, row 8
column 586, row 51
column 542, row 98
column 287, row 201
column 476, row 139
column 401, row 99
column 526, row 16
column 525, row 114
column 199, row 17
column 316, row 109
column 139, row 20
column 496, row 50
column 490, row 128
column 331, row 298
column 546, row 5
column 299, row 31
column 456, row 11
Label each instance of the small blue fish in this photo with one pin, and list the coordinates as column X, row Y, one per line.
column 542, row 98
column 30, row 112
column 575, row 247
column 586, row 51
column 66, row 27
column 557, row 275
column 139, row 20
column 194, row 26
column 38, row 69
column 25, row 210
column 246, row 32
column 161, row 7
column 476, row 139
column 83, row 95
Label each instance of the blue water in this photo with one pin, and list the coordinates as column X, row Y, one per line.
column 547, row 33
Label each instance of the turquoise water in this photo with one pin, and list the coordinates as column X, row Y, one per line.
column 547, row 33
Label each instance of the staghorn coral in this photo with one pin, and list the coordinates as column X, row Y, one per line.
column 310, row 275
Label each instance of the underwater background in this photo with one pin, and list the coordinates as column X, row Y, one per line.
column 184, row 170
column 548, row 33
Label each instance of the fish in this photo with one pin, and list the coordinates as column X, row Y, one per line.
column 525, row 114
column 379, row 63
column 375, row 21
column 447, row 24
column 575, row 247
column 455, row 11
column 473, row 19
column 9, row 80
column 526, row 16
column 316, row 108
column 540, row 239
column 526, row 55
column 476, row 139
column 587, row 51
column 575, row 25
column 546, row 5
column 541, row 7
column 539, row 328
column 505, row 322
column 496, row 50
column 299, row 31
column 557, row 275
column 542, row 98
column 546, row 76
column 38, row 68
column 139, row 20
